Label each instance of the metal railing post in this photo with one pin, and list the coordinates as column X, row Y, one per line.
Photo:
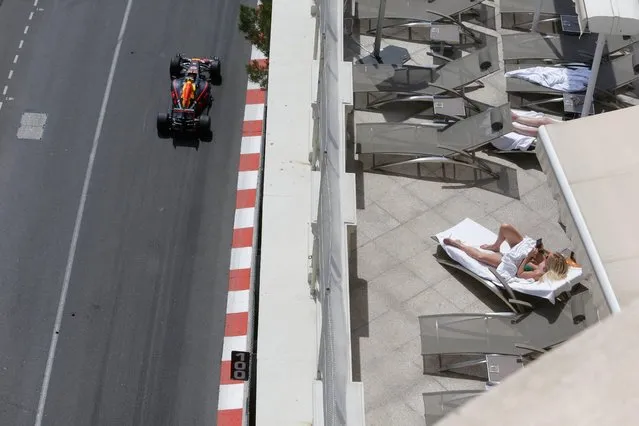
column 592, row 81
column 535, row 22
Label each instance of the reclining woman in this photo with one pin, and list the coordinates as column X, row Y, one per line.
column 525, row 259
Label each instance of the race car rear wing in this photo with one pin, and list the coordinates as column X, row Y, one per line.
column 184, row 111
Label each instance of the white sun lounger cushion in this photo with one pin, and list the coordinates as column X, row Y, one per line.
column 473, row 234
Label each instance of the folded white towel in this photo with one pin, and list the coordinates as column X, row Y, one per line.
column 567, row 80
column 513, row 141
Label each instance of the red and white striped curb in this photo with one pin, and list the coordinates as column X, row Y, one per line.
column 232, row 397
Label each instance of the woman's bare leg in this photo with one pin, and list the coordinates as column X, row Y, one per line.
column 507, row 233
column 492, row 259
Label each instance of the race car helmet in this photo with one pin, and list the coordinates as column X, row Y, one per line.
column 192, row 71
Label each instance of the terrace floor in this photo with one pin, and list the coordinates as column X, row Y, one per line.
column 394, row 276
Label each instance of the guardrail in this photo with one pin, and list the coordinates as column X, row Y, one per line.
column 342, row 399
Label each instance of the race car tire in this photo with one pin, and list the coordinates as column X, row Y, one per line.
column 204, row 125
column 216, row 74
column 163, row 125
column 175, row 68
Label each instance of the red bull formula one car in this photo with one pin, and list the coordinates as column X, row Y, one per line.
column 191, row 99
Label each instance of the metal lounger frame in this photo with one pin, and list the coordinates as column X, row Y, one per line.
column 514, row 151
column 414, row 9
column 543, row 102
column 437, row 405
column 612, row 76
column 551, row 11
column 548, row 7
column 446, row 78
column 376, row 100
column 455, row 143
column 524, row 335
column 505, row 293
column 418, row 30
column 522, row 353
column 559, row 48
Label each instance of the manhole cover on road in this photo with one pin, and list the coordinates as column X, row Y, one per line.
column 32, row 125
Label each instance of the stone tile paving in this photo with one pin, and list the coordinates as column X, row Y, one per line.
column 397, row 279
column 394, row 276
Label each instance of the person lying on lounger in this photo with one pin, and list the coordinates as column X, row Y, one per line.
column 526, row 259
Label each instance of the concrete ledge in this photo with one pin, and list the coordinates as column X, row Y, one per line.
column 287, row 334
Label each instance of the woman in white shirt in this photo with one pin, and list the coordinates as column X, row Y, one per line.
column 525, row 259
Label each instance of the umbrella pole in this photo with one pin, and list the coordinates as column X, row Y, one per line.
column 380, row 29
column 592, row 81
column 535, row 22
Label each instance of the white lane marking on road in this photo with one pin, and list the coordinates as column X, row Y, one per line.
column 35, row 3
column 15, row 59
column 10, row 75
column 4, row 91
column 31, row 16
column 21, row 43
column 78, row 219
column 0, row 105
column 32, row 126
column 26, row 29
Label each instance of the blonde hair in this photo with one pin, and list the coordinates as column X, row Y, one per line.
column 556, row 267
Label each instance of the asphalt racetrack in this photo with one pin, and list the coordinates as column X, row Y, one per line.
column 130, row 232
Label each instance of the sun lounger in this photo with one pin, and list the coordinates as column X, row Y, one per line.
column 441, row 109
column 474, row 234
column 548, row 7
column 426, row 80
column 414, row 9
column 518, row 14
column 521, row 335
column 454, row 143
column 437, row 405
column 502, row 291
column 613, row 75
column 455, row 106
column 566, row 105
column 498, row 367
column 445, row 35
column 559, row 48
